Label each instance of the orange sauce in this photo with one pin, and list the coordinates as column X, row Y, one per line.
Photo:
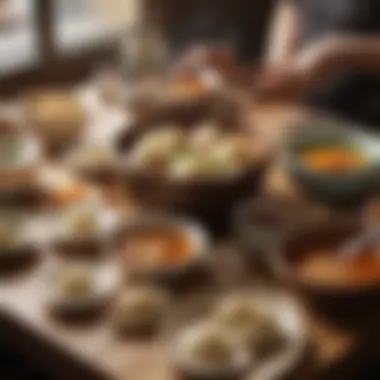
column 152, row 248
column 332, row 159
column 326, row 268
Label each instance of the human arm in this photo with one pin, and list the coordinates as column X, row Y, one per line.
column 319, row 63
column 283, row 38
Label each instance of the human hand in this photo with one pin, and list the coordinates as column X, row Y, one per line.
column 310, row 68
column 219, row 60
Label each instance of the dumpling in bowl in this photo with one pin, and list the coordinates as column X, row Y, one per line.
column 250, row 324
column 92, row 158
column 204, row 137
column 205, row 350
column 156, row 148
column 77, row 289
column 12, row 234
column 81, row 223
column 138, row 310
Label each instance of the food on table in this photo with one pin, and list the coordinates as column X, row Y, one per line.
column 62, row 188
column 57, row 115
column 205, row 152
column 184, row 87
column 206, row 350
column 75, row 283
column 250, row 324
column 204, row 136
column 91, row 158
column 19, row 159
column 328, row 268
column 75, row 289
column 12, row 233
column 149, row 249
column 332, row 159
column 154, row 149
column 139, row 309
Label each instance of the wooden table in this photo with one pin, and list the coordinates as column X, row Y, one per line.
column 92, row 351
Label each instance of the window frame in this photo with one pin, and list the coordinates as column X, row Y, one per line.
column 55, row 66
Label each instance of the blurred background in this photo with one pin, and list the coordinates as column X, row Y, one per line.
column 62, row 40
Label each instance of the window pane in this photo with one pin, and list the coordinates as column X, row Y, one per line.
column 84, row 23
column 18, row 38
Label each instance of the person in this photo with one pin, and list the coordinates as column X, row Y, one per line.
column 327, row 52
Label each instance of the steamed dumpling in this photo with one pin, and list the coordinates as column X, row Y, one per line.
column 92, row 157
column 204, row 137
column 156, row 148
column 75, row 283
column 138, row 310
column 249, row 324
column 81, row 223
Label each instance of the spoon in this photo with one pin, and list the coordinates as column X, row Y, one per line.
column 369, row 239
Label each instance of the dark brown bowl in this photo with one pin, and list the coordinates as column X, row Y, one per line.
column 348, row 305
column 209, row 200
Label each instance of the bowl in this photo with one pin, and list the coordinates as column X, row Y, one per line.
column 194, row 233
column 20, row 176
column 210, row 200
column 339, row 188
column 347, row 304
column 259, row 224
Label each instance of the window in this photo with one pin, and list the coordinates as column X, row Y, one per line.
column 83, row 23
column 61, row 27
column 18, row 37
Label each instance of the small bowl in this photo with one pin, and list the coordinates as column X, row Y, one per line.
column 349, row 188
column 21, row 176
column 179, row 271
column 259, row 224
column 347, row 305
column 29, row 243
column 86, row 245
column 105, row 283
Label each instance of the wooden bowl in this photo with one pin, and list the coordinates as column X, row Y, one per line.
column 345, row 304
column 210, row 200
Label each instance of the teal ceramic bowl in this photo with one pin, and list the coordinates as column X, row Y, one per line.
column 338, row 188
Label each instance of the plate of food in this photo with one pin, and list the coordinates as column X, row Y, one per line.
column 253, row 333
